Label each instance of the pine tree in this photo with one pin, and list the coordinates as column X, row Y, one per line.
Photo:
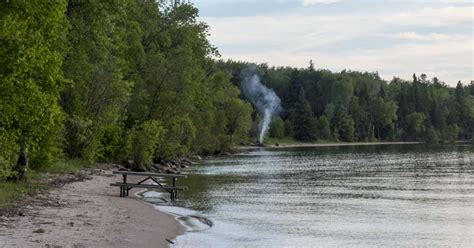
column 304, row 128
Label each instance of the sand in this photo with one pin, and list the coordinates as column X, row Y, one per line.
column 89, row 214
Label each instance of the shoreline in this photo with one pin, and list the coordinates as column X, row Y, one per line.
column 330, row 144
column 348, row 144
column 89, row 213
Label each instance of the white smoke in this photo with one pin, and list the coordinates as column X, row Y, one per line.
column 265, row 99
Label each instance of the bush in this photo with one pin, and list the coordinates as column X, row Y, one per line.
column 277, row 128
column 78, row 135
column 142, row 143
column 110, row 143
column 432, row 136
column 48, row 153
column 177, row 138
column 8, row 154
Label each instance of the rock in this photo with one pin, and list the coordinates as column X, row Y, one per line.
column 185, row 160
column 196, row 157
column 276, row 144
column 171, row 171
column 41, row 230
column 71, row 224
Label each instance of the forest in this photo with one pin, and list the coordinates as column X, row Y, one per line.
column 111, row 81
column 353, row 106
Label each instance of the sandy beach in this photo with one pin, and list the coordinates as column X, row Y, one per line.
column 88, row 213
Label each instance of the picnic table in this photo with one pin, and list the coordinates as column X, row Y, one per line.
column 156, row 178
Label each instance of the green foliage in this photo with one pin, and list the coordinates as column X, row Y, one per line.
column 78, row 136
column 111, row 143
column 64, row 166
column 178, row 136
column 50, row 150
column 288, row 128
column 8, row 154
column 31, row 52
column 324, row 128
column 139, row 80
column 379, row 110
column 304, row 125
column 277, row 128
column 103, row 51
column 11, row 193
column 432, row 136
column 416, row 124
column 346, row 131
column 142, row 143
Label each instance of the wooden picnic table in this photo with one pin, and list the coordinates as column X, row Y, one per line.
column 125, row 186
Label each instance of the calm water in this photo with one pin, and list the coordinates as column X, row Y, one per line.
column 366, row 196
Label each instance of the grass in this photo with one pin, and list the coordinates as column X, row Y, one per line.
column 12, row 193
column 65, row 167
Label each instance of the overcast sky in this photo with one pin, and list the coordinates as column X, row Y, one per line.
column 392, row 37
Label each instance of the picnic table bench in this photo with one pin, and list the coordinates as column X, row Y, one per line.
column 125, row 186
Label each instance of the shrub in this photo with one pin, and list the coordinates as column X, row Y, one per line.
column 8, row 154
column 78, row 135
column 110, row 143
column 49, row 151
column 142, row 143
column 177, row 138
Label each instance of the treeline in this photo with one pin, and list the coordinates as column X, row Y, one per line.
column 353, row 106
column 110, row 81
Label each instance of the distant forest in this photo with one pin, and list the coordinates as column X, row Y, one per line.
column 360, row 106
column 111, row 81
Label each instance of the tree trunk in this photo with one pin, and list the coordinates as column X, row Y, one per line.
column 21, row 164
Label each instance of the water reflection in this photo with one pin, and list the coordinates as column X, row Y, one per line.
column 390, row 195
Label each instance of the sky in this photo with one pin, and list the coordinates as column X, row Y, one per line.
column 391, row 37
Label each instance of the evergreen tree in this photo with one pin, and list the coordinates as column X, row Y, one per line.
column 304, row 128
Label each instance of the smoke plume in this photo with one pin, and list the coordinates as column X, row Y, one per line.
column 265, row 99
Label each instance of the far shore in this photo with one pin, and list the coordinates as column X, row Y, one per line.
column 88, row 213
column 345, row 144
column 284, row 144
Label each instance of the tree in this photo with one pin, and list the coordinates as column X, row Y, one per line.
column 103, row 52
column 346, row 132
column 416, row 125
column 383, row 114
column 324, row 128
column 31, row 51
column 277, row 128
column 304, row 128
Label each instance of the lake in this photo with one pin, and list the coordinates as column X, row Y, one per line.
column 363, row 196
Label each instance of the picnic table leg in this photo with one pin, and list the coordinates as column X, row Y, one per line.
column 124, row 191
column 174, row 193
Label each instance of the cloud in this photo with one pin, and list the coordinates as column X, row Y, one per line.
column 314, row 2
column 436, row 40
column 430, row 37
column 445, row 16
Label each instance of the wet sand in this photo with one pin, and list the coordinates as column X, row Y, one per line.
column 89, row 214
